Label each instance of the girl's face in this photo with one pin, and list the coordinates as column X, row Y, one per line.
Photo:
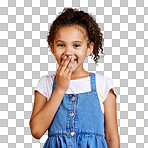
column 71, row 41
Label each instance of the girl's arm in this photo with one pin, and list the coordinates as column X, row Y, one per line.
column 44, row 112
column 111, row 127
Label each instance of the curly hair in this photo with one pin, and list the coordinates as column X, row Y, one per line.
column 69, row 17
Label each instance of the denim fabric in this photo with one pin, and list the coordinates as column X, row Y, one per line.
column 78, row 122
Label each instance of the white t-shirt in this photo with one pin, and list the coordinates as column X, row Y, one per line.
column 103, row 85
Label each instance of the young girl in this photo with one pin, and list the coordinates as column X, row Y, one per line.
column 77, row 108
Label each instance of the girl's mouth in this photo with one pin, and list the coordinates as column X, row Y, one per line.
column 74, row 60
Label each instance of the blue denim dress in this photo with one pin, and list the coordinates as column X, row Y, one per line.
column 78, row 122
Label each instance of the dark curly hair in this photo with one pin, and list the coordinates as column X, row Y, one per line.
column 69, row 17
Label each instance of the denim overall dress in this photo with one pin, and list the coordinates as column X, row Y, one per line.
column 78, row 122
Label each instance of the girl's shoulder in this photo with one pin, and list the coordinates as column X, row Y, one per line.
column 104, row 84
column 103, row 80
column 44, row 85
column 48, row 77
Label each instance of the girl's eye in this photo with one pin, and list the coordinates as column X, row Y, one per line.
column 76, row 45
column 61, row 45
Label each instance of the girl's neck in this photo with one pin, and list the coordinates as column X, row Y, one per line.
column 83, row 74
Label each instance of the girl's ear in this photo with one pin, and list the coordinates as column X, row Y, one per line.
column 52, row 49
column 90, row 48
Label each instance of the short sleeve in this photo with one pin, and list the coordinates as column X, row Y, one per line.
column 107, row 86
column 41, row 86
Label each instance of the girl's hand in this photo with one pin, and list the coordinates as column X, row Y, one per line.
column 63, row 74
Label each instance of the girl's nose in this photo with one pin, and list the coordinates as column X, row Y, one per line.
column 67, row 56
column 68, row 53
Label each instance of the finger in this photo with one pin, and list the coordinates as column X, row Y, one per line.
column 69, row 66
column 70, row 71
column 65, row 64
column 61, row 64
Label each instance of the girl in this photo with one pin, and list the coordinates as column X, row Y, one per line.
column 77, row 108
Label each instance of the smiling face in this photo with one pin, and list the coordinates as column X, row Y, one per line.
column 71, row 41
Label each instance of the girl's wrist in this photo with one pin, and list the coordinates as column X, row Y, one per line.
column 59, row 91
